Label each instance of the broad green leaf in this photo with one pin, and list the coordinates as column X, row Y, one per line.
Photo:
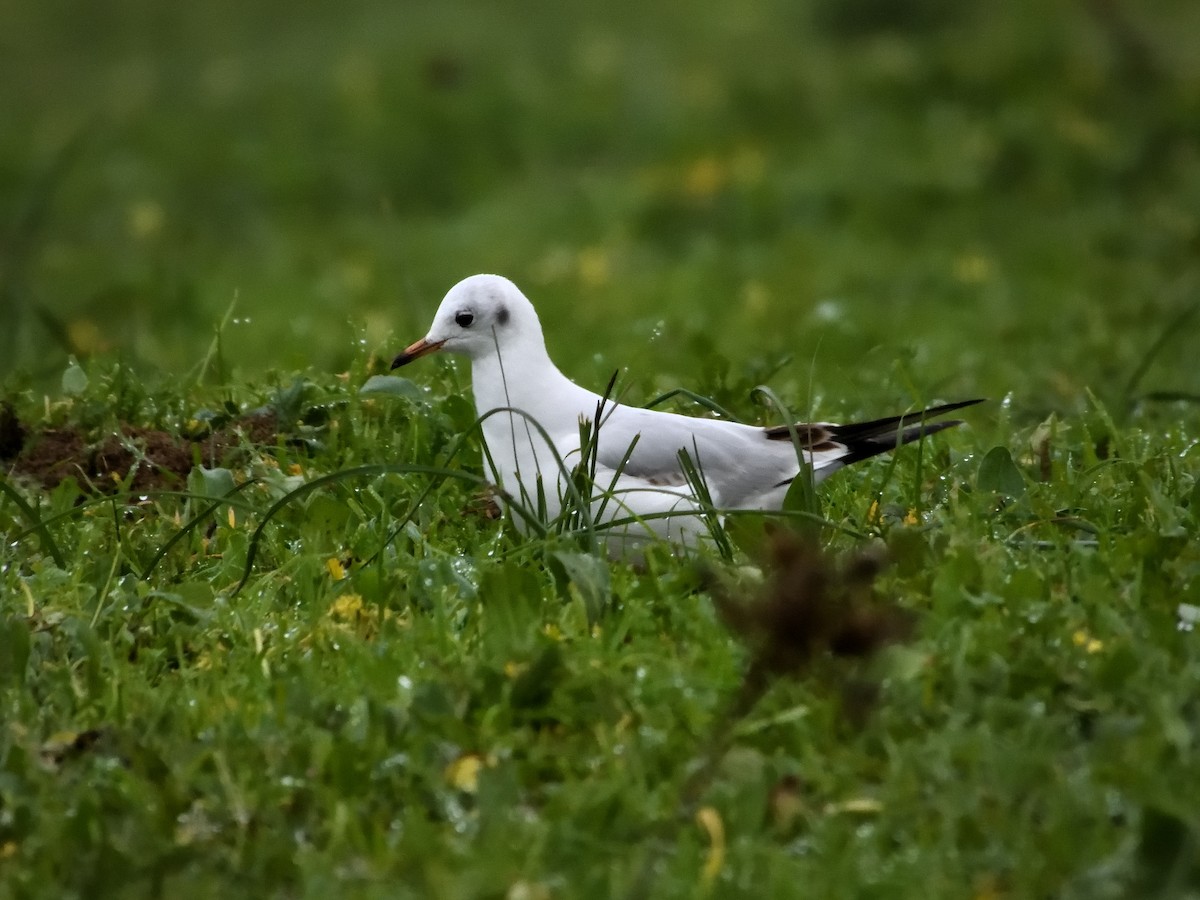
column 74, row 380
column 327, row 514
column 392, row 386
column 289, row 401
column 213, row 483
column 802, row 497
column 587, row 576
column 999, row 474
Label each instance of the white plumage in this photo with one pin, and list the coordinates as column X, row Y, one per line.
column 638, row 472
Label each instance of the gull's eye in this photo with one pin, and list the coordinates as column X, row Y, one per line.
column 464, row 319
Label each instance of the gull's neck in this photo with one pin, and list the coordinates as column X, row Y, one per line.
column 521, row 374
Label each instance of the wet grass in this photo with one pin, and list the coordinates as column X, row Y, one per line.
column 221, row 218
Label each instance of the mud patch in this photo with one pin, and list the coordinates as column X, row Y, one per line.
column 257, row 429
column 149, row 460
column 53, row 455
column 140, row 459
column 137, row 459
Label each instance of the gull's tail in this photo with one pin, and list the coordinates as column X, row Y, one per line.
column 862, row 440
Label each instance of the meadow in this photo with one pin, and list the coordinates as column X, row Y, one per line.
column 263, row 632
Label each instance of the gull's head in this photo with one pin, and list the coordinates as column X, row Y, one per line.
column 479, row 316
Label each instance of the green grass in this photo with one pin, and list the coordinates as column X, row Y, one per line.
column 866, row 206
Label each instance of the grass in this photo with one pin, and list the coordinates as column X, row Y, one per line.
column 221, row 222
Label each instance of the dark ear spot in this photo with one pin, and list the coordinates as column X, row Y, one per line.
column 502, row 315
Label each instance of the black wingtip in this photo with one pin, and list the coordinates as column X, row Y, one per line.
column 889, row 426
column 866, row 439
column 950, row 407
column 885, row 428
column 863, row 440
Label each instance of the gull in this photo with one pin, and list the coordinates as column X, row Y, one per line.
column 650, row 474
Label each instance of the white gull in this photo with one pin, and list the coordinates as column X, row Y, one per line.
column 642, row 465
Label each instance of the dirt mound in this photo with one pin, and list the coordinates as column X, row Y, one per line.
column 136, row 459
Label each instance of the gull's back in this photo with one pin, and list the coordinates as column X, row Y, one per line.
column 738, row 464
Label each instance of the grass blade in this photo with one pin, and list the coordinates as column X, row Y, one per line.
column 1170, row 330
column 707, row 402
column 36, row 523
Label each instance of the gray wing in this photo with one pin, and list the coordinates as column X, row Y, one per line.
column 741, row 462
column 735, row 461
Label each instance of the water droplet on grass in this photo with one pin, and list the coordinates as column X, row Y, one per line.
column 829, row 310
column 396, row 761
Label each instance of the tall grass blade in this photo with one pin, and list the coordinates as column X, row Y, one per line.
column 37, row 524
column 1170, row 330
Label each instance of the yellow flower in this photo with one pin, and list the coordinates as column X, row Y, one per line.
column 594, row 266
column 463, row 773
column 336, row 570
column 1081, row 638
column 347, row 607
column 145, row 219
column 86, row 337
column 972, row 268
column 704, row 177
column 514, row 669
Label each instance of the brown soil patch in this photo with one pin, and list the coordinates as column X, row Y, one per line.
column 138, row 459
column 53, row 455
column 150, row 459
column 257, row 429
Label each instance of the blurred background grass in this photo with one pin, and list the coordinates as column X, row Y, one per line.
column 906, row 198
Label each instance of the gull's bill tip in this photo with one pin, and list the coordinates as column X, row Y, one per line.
column 413, row 351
